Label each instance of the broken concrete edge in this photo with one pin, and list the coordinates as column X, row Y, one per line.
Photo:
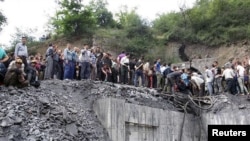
column 126, row 121
column 57, row 107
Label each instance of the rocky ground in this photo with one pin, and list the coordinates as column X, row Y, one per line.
column 63, row 110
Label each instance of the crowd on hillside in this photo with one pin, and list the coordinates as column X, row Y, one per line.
column 73, row 63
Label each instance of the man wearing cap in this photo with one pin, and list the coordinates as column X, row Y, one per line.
column 33, row 74
column 15, row 74
column 21, row 51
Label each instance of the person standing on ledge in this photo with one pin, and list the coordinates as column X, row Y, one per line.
column 21, row 51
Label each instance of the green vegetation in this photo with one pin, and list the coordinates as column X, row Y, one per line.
column 2, row 19
column 129, row 32
column 72, row 20
column 209, row 22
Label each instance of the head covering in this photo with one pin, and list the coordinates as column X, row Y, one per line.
column 18, row 60
column 33, row 61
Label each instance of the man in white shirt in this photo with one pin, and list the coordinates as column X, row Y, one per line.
column 84, row 59
column 240, row 78
column 199, row 82
column 21, row 51
column 229, row 75
column 124, row 68
column 209, row 76
column 163, row 67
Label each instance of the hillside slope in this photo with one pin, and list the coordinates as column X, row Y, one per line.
column 224, row 53
column 169, row 53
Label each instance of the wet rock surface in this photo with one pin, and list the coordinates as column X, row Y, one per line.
column 63, row 110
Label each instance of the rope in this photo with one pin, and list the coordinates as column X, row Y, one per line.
column 209, row 97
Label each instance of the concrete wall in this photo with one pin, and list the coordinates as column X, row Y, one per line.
column 130, row 122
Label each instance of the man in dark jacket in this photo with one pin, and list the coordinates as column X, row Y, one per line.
column 172, row 77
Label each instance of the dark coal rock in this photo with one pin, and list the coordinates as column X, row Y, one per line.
column 54, row 112
column 63, row 110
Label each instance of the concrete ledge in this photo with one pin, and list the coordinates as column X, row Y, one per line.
column 131, row 122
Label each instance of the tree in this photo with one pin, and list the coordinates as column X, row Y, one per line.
column 210, row 22
column 3, row 19
column 104, row 18
column 73, row 19
column 138, row 33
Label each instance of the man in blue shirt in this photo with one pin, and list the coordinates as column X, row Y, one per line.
column 3, row 58
column 68, row 54
column 21, row 49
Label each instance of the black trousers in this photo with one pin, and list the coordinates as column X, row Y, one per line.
column 231, row 86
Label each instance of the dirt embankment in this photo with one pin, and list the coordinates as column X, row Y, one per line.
column 239, row 50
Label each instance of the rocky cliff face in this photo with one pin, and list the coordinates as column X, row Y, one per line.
column 63, row 110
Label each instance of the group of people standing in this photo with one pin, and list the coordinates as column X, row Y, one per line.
column 73, row 63
column 16, row 70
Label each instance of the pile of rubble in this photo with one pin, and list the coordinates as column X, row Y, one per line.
column 63, row 110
